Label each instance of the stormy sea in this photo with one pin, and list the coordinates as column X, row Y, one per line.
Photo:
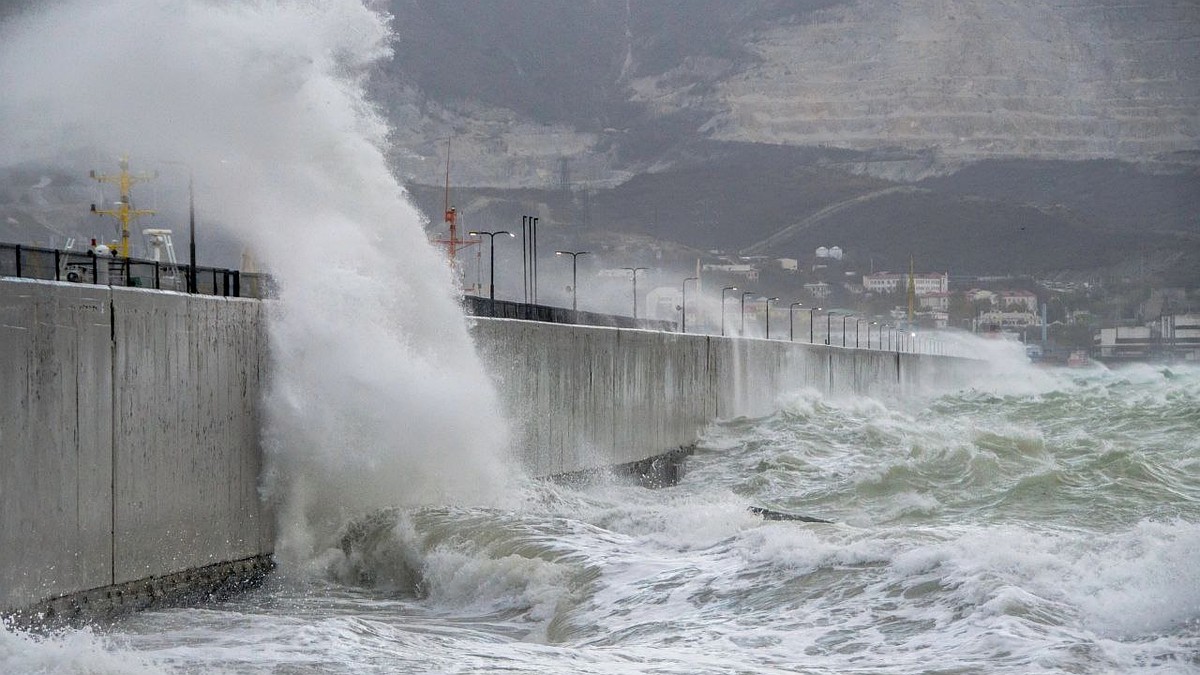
column 1045, row 522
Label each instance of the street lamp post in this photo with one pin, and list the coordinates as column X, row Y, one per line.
column 811, row 340
column 769, row 316
column 633, row 273
column 727, row 288
column 742, row 330
column 683, row 308
column 491, row 235
column 792, row 320
column 828, row 328
column 574, row 276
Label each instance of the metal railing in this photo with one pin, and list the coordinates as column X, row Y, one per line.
column 33, row 262
column 503, row 309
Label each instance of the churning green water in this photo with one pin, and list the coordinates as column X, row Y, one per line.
column 1047, row 521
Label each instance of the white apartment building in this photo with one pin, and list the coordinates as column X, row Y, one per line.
column 935, row 301
column 890, row 282
column 1017, row 299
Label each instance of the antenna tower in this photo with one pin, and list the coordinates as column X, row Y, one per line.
column 124, row 213
column 453, row 242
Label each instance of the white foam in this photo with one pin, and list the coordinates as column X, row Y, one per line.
column 376, row 396
column 71, row 652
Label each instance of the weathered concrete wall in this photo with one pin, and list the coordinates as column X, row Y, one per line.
column 129, row 424
column 55, row 440
column 589, row 397
column 187, row 373
column 128, row 436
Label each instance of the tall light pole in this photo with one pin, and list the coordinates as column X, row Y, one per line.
column 491, row 235
column 811, row 340
column 574, row 276
column 633, row 273
column 683, row 309
column 727, row 288
column 742, row 330
column 844, row 317
column 829, row 327
column 769, row 316
column 529, row 256
column 792, row 320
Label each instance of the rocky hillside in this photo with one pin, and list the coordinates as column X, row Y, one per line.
column 1020, row 135
column 614, row 87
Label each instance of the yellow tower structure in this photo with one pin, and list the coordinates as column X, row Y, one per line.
column 124, row 213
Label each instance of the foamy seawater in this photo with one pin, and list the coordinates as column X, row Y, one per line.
column 1051, row 531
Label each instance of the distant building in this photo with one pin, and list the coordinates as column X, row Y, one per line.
column 615, row 272
column 664, row 303
column 1134, row 343
column 976, row 294
column 748, row 272
column 1015, row 299
column 832, row 252
column 1009, row 319
column 789, row 264
column 934, row 301
column 819, row 290
column 1174, row 336
column 890, row 282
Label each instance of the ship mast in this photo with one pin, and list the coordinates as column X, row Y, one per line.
column 453, row 242
column 124, row 213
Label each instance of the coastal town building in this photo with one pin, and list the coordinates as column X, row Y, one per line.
column 1017, row 299
column 891, row 282
column 1172, row 337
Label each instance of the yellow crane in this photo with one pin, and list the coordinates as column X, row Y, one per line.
column 124, row 213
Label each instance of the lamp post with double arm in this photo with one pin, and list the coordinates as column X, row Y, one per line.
column 491, row 235
column 633, row 274
column 574, row 275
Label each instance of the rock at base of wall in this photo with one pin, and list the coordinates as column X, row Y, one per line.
column 213, row 583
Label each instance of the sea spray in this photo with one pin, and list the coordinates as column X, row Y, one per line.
column 376, row 397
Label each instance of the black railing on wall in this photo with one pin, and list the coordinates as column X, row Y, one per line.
column 33, row 262
column 503, row 309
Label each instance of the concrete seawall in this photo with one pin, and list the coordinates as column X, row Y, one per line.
column 129, row 441
column 130, row 454
column 590, row 397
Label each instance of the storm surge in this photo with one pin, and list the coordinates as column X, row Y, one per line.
column 371, row 366
column 1051, row 529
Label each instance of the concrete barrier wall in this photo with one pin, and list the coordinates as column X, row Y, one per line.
column 128, row 436
column 129, row 421
column 55, row 441
column 590, row 397
column 186, row 382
